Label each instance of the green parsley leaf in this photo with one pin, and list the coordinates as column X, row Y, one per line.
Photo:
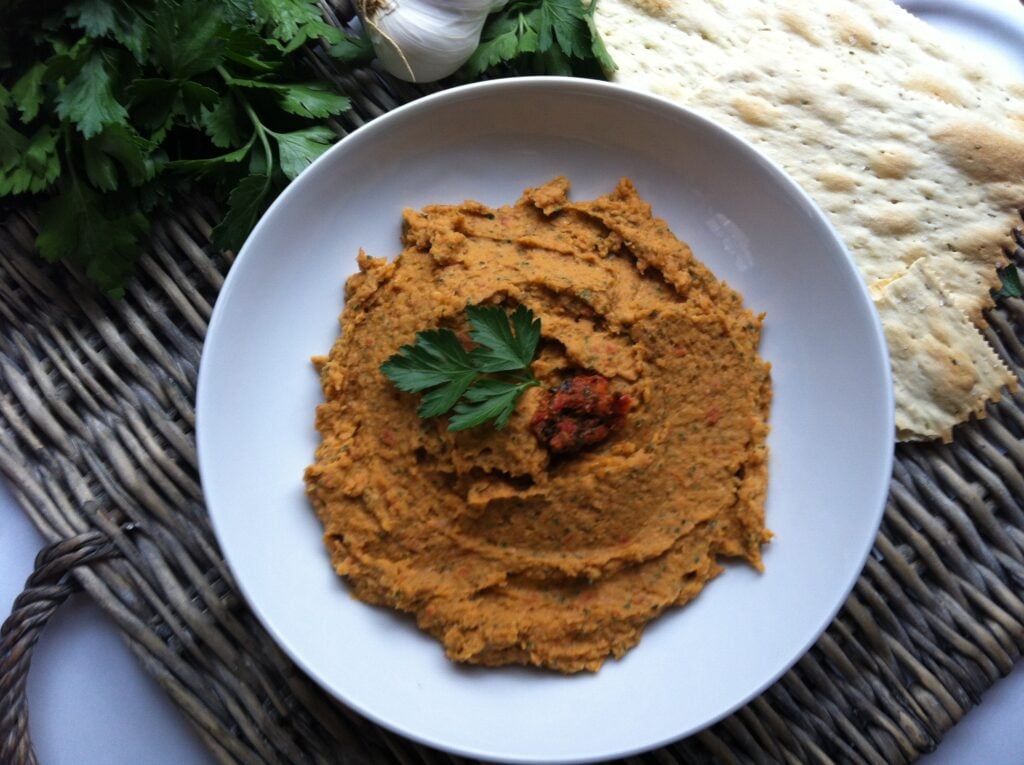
column 288, row 17
column 240, row 13
column 196, row 96
column 563, row 21
column 261, row 163
column 501, row 350
column 502, row 40
column 541, row 37
column 96, row 17
column 505, row 36
column 114, row 19
column 41, row 159
column 488, row 399
column 77, row 227
column 353, row 50
column 206, row 165
column 1011, row 286
column 152, row 102
column 221, row 124
column 293, row 22
column 118, row 146
column 36, row 166
column 12, row 144
column 312, row 100
column 251, row 51
column 437, row 360
column 305, row 100
column 187, row 37
column 454, row 377
column 246, row 203
column 88, row 99
column 28, row 92
column 604, row 58
column 156, row 102
column 299, row 148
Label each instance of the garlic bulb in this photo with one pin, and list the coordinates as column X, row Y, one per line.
column 424, row 40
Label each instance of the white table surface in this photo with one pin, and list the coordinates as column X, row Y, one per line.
column 90, row 703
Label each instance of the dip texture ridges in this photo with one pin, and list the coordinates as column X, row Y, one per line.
column 503, row 552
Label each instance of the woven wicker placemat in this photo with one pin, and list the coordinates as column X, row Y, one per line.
column 97, row 442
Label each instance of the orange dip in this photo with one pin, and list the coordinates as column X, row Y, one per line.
column 506, row 553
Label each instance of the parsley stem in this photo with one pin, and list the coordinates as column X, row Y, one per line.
column 257, row 125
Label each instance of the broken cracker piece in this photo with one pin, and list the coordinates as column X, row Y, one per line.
column 944, row 371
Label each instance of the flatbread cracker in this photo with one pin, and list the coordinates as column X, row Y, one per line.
column 914, row 151
column 943, row 368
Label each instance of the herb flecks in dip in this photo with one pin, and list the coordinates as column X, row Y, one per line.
column 506, row 552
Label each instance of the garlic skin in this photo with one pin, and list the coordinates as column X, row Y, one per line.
column 424, row 40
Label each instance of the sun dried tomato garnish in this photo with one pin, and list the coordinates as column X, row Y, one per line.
column 579, row 413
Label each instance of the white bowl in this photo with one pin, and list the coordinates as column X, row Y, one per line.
column 832, row 423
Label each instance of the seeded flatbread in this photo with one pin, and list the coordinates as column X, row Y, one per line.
column 915, row 151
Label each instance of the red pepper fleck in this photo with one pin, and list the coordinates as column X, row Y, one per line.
column 713, row 415
column 579, row 413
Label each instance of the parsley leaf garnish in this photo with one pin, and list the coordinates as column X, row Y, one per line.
column 453, row 377
column 505, row 347
column 488, row 399
column 437, row 363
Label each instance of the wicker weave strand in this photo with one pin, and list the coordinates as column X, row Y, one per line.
column 96, row 436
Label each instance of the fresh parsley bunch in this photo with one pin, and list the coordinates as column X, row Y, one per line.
column 556, row 37
column 107, row 107
column 110, row 107
column 480, row 384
